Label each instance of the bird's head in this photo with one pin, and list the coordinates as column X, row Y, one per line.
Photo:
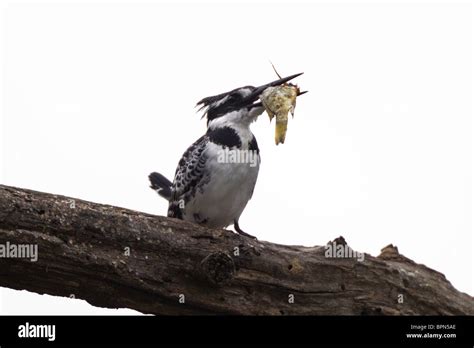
column 241, row 105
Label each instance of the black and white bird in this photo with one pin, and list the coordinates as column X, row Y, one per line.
column 216, row 175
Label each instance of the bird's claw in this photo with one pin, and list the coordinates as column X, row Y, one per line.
column 242, row 233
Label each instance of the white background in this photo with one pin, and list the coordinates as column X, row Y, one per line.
column 96, row 96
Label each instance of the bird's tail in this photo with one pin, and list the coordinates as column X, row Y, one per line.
column 161, row 185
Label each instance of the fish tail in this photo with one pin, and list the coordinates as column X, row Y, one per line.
column 280, row 131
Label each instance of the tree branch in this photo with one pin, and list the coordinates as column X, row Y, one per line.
column 83, row 251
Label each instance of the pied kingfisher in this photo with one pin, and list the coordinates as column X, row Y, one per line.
column 216, row 175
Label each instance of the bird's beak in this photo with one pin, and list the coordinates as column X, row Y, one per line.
column 258, row 90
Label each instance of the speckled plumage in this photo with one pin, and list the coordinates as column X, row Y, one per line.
column 189, row 177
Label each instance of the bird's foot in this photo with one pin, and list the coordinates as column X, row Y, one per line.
column 239, row 231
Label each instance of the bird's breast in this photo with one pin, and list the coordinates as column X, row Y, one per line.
column 232, row 174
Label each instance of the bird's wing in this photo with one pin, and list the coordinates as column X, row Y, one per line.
column 189, row 176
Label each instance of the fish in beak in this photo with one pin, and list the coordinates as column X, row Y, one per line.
column 279, row 99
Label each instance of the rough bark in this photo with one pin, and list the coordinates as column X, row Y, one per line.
column 82, row 249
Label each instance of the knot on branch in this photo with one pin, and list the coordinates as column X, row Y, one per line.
column 218, row 267
column 339, row 241
column 390, row 252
